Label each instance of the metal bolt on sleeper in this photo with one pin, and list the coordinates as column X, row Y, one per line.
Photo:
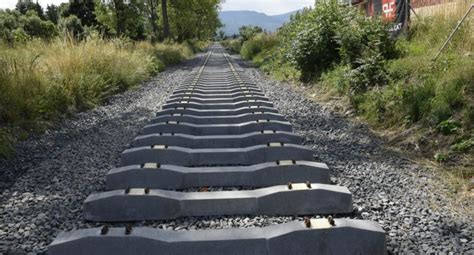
column 331, row 220
column 128, row 229
column 104, row 230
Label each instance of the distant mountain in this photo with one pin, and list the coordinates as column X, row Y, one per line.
column 233, row 20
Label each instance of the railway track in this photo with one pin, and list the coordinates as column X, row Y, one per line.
column 219, row 130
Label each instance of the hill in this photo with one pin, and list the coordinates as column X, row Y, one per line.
column 232, row 20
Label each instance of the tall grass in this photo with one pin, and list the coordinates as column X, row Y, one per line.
column 435, row 98
column 41, row 82
column 259, row 43
column 234, row 45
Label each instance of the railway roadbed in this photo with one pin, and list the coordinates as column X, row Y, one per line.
column 44, row 187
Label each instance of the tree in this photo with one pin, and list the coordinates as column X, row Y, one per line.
column 151, row 6
column 8, row 24
column 52, row 13
column 166, row 24
column 222, row 35
column 194, row 19
column 84, row 10
column 123, row 19
column 34, row 26
column 247, row 32
column 71, row 25
column 23, row 6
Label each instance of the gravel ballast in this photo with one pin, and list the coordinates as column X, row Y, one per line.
column 44, row 186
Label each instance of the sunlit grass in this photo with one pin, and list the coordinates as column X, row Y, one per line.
column 41, row 82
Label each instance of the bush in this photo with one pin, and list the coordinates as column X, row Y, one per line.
column 448, row 127
column 196, row 45
column 329, row 35
column 71, row 25
column 248, row 32
column 257, row 44
column 171, row 54
column 34, row 26
column 309, row 39
column 234, row 45
column 370, row 71
column 15, row 27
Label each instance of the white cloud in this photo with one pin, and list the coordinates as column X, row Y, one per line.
column 270, row 7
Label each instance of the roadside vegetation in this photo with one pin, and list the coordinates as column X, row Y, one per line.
column 425, row 107
column 74, row 56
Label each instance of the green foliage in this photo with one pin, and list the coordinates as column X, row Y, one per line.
column 84, row 10
column 171, row 54
column 194, row 19
column 309, row 40
column 467, row 116
column 392, row 84
column 440, row 157
column 317, row 40
column 463, row 145
column 337, row 79
column 15, row 27
column 257, row 44
column 370, row 71
column 134, row 19
column 248, row 32
column 25, row 6
column 43, row 81
column 52, row 13
column 234, row 45
column 34, row 26
column 71, row 25
column 122, row 19
column 448, row 127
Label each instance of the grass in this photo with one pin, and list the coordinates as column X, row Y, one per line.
column 435, row 97
column 427, row 104
column 42, row 82
column 261, row 42
column 234, row 45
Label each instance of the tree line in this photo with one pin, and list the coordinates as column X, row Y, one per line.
column 154, row 20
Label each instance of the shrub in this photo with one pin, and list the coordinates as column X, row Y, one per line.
column 234, row 45
column 171, row 54
column 34, row 26
column 370, row 71
column 337, row 79
column 248, row 32
column 257, row 44
column 331, row 34
column 463, row 145
column 71, row 25
column 448, row 127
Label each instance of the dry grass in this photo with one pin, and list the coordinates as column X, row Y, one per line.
column 41, row 82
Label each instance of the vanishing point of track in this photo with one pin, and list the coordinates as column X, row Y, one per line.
column 219, row 130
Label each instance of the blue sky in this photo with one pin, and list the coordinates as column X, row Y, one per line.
column 270, row 7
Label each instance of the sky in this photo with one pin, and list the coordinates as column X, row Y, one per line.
column 269, row 7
